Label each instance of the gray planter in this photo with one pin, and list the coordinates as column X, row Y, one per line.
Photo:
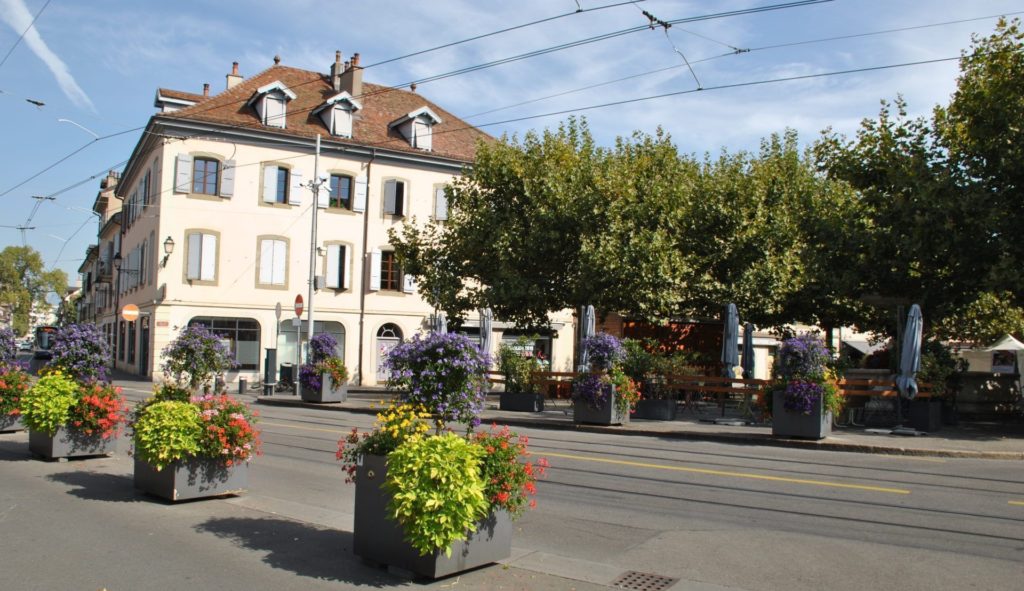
column 520, row 402
column 655, row 410
column 926, row 414
column 69, row 443
column 327, row 393
column 608, row 414
column 380, row 540
column 11, row 423
column 816, row 425
column 194, row 478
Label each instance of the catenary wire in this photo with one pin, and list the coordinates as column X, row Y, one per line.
column 23, row 33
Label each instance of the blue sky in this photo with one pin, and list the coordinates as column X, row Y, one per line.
column 98, row 63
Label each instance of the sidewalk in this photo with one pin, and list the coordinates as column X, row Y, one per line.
column 983, row 440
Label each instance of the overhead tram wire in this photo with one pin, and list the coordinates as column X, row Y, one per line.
column 23, row 33
column 712, row 16
column 500, row 31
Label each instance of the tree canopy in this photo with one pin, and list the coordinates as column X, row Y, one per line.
column 24, row 284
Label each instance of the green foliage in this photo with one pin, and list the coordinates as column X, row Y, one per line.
column 940, row 367
column 437, row 490
column 14, row 383
column 47, row 405
column 195, row 357
column 640, row 363
column 168, row 430
column 24, row 284
column 517, row 367
column 984, row 320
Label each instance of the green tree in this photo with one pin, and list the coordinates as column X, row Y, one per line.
column 984, row 320
column 24, row 285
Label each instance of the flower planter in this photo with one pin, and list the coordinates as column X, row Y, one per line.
column 194, row 478
column 608, row 414
column 326, row 393
column 926, row 414
column 69, row 443
column 816, row 425
column 655, row 410
column 520, row 402
column 380, row 540
column 11, row 423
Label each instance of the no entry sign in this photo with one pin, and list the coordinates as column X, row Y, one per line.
column 298, row 305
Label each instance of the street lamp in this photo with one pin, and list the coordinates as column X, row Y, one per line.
column 82, row 127
column 168, row 249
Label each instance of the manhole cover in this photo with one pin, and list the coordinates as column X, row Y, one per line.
column 643, row 581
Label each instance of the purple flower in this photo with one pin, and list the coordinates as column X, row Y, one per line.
column 81, row 350
column 603, row 350
column 800, row 396
column 804, row 356
column 594, row 389
column 8, row 348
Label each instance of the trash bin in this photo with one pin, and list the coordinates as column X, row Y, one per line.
column 286, row 373
column 243, row 385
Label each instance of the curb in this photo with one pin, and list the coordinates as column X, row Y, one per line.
column 695, row 436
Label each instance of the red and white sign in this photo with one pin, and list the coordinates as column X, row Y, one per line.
column 298, row 305
column 130, row 312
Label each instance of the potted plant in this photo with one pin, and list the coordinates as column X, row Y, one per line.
column 517, row 364
column 648, row 369
column 68, row 419
column 81, row 351
column 14, row 383
column 325, row 378
column 429, row 501
column 605, row 395
column 187, row 445
column 804, row 394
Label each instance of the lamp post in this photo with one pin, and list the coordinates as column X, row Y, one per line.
column 315, row 184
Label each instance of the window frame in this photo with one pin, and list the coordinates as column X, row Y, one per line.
column 194, row 189
column 260, row 284
column 202, row 233
column 339, row 203
column 390, row 269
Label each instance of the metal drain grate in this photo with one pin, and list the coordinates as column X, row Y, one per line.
column 643, row 581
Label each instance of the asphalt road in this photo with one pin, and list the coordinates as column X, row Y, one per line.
column 713, row 516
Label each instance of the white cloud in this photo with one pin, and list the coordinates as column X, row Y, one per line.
column 16, row 14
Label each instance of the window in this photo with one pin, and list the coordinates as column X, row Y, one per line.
column 338, row 267
column 204, row 176
column 202, row 257
column 131, row 342
column 120, row 340
column 273, row 262
column 144, row 189
column 270, row 102
column 417, row 127
column 440, row 205
column 394, row 197
column 336, row 114
column 241, row 335
column 281, row 185
column 389, row 271
column 422, row 136
column 274, row 111
column 341, row 192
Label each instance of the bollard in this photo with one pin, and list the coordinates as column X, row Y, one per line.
column 242, row 385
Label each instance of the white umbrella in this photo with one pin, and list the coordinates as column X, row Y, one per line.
column 587, row 329
column 748, row 351
column 730, row 336
column 438, row 323
column 486, row 326
column 910, row 354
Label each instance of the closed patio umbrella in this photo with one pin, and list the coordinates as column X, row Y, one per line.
column 748, row 351
column 486, row 326
column 587, row 329
column 730, row 336
column 438, row 323
column 910, row 354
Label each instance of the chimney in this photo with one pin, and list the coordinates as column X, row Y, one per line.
column 277, row 60
column 234, row 78
column 336, row 71
column 206, row 89
column 352, row 78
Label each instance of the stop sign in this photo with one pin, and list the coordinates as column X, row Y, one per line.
column 130, row 312
column 298, row 305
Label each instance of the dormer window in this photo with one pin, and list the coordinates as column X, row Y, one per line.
column 418, row 127
column 271, row 103
column 336, row 114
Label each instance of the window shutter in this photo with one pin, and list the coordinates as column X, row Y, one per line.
column 359, row 201
column 227, row 179
column 400, row 198
column 195, row 251
column 208, row 269
column 323, row 194
column 280, row 261
column 333, row 267
column 375, row 270
column 183, row 174
column 269, row 184
column 423, row 134
column 157, row 190
column 295, row 194
column 274, row 109
column 389, row 196
column 342, row 122
column 266, row 261
column 346, row 267
column 440, row 205
column 409, row 283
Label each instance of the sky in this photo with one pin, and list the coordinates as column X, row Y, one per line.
column 77, row 84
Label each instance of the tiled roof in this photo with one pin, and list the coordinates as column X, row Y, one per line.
column 453, row 138
column 181, row 95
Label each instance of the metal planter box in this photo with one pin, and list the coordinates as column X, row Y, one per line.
column 69, row 443
column 380, row 540
column 11, row 423
column 816, row 425
column 194, row 478
column 608, row 414
column 655, row 410
column 326, row 393
column 520, row 402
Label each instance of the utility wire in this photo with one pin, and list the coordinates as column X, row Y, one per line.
column 500, row 31
column 23, row 33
